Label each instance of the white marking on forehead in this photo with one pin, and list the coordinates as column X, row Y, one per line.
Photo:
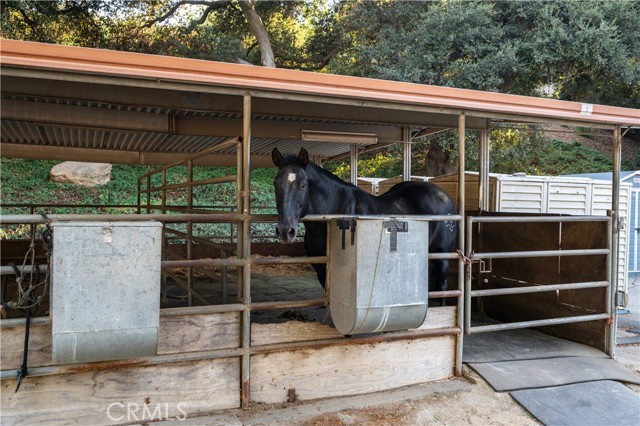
column 291, row 177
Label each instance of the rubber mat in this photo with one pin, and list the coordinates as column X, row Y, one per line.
column 584, row 404
column 514, row 345
column 539, row 373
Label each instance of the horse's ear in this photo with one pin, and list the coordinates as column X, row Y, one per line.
column 303, row 157
column 276, row 157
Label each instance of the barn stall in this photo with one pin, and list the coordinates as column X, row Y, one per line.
column 68, row 103
column 520, row 193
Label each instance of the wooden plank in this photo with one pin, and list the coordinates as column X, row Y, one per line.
column 105, row 397
column 192, row 333
column 350, row 370
column 13, row 345
column 439, row 317
column 296, row 331
column 291, row 331
column 177, row 334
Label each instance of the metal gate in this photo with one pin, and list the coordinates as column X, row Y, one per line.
column 568, row 258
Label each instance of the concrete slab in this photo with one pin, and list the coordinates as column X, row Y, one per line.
column 538, row 373
column 584, row 404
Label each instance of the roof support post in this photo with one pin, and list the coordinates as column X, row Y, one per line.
column 406, row 153
column 463, row 284
column 354, row 165
column 244, row 246
column 614, row 241
column 483, row 175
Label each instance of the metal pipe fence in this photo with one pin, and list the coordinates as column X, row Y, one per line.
column 478, row 257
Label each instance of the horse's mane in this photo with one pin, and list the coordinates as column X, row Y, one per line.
column 292, row 159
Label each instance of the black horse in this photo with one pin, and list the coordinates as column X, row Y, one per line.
column 303, row 187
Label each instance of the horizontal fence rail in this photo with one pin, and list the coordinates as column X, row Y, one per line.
column 479, row 257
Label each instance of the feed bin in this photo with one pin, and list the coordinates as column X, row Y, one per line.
column 105, row 298
column 378, row 274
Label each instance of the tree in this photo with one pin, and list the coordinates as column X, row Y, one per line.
column 588, row 50
column 257, row 28
column 291, row 34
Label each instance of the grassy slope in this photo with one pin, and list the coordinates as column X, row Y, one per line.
column 27, row 181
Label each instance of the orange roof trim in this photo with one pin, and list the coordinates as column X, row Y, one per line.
column 126, row 64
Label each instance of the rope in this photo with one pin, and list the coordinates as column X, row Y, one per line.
column 26, row 295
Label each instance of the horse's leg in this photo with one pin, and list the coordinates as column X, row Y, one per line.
column 438, row 278
column 315, row 244
column 321, row 272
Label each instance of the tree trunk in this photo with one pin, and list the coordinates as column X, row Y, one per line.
column 258, row 29
column 438, row 162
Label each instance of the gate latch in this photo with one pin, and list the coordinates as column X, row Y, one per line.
column 393, row 227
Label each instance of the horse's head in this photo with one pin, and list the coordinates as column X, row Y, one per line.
column 292, row 192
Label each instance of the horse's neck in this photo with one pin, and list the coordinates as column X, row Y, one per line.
column 333, row 197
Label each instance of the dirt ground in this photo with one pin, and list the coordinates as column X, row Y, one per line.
column 478, row 405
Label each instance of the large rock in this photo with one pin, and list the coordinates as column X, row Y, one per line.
column 86, row 174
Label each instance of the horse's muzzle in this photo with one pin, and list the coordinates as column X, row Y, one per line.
column 285, row 233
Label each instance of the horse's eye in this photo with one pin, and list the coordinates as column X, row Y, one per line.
column 303, row 185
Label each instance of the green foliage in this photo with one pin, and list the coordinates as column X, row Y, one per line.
column 302, row 33
column 442, row 43
column 26, row 181
column 381, row 165
column 512, row 151
column 587, row 50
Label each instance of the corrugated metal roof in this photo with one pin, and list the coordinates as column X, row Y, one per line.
column 287, row 99
column 127, row 64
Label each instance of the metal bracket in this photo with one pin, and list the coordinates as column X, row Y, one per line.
column 622, row 298
column 393, row 227
column 343, row 225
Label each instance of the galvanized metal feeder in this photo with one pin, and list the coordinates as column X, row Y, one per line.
column 106, row 290
column 378, row 274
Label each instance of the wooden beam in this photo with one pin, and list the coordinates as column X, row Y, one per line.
column 135, row 121
column 82, row 116
column 39, row 152
column 274, row 129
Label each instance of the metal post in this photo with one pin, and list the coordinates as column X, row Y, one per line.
column 406, row 154
column 461, row 242
column 483, row 175
column 164, row 190
column 245, row 192
column 139, row 209
column 354, row 165
column 148, row 194
column 189, row 232
column 615, row 235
